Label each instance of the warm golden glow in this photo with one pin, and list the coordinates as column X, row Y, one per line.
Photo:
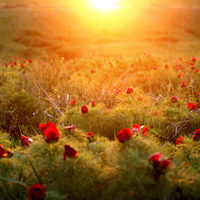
column 104, row 5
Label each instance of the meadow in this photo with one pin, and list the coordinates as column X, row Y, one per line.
column 99, row 105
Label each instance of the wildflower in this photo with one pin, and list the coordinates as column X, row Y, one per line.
column 195, row 71
column 154, row 68
column 90, row 136
column 92, row 71
column 197, row 92
column 84, row 109
column 194, row 59
column 157, row 112
column 180, row 140
column 182, row 67
column 3, row 153
column 6, row 64
column 135, row 129
column 196, row 135
column 183, row 84
column 166, row 66
column 30, row 61
column 124, row 135
column 12, row 64
column 174, row 99
column 179, row 75
column 22, row 65
column 144, row 131
column 36, row 192
column 192, row 67
column 43, row 127
column 70, row 152
column 118, row 92
column 155, row 157
column 180, row 59
column 192, row 106
column 73, row 102
column 92, row 103
column 165, row 164
column 145, row 134
column 25, row 141
column 69, row 128
column 129, row 90
column 51, row 135
column 140, row 98
column 159, row 165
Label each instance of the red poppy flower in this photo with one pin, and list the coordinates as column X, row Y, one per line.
column 51, row 135
column 124, row 135
column 22, row 65
column 25, row 141
column 43, row 127
column 118, row 91
column 73, row 102
column 12, row 64
column 165, row 164
column 192, row 67
column 70, row 152
column 157, row 112
column 196, row 135
column 179, row 75
column 90, row 136
column 30, row 61
column 182, row 67
column 6, row 64
column 192, row 106
column 69, row 128
column 154, row 157
column 194, row 59
column 174, row 99
column 92, row 103
column 195, row 71
column 183, row 84
column 135, row 128
column 129, row 90
column 159, row 165
column 144, row 131
column 197, row 92
column 36, row 192
column 3, row 153
column 166, row 66
column 180, row 140
column 145, row 134
column 84, row 109
column 92, row 71
column 140, row 98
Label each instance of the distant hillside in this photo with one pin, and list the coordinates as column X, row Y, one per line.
column 38, row 28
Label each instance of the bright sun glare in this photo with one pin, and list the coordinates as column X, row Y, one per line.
column 104, row 5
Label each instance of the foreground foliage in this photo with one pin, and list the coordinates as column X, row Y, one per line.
column 100, row 128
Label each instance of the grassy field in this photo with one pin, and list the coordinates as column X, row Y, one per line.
column 99, row 105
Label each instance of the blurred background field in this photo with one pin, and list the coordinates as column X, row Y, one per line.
column 74, row 29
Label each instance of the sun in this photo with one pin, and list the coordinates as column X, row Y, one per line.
column 104, row 5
